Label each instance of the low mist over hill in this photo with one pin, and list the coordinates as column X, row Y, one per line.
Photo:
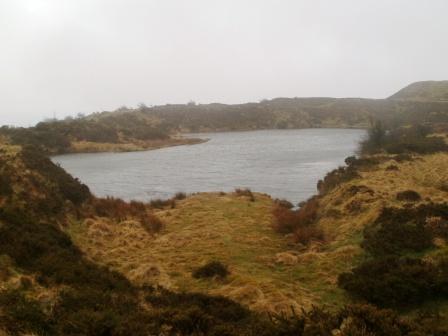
column 159, row 126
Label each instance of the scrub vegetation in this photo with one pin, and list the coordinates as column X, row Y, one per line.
column 367, row 255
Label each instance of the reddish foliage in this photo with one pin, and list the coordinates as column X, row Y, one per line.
column 120, row 210
column 305, row 234
column 300, row 222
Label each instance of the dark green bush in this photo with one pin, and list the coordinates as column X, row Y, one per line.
column 397, row 230
column 402, row 140
column 392, row 281
column 21, row 315
column 65, row 186
column 211, row 269
column 336, row 177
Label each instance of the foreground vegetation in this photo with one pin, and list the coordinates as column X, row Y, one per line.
column 368, row 255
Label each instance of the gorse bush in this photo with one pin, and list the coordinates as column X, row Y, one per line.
column 210, row 270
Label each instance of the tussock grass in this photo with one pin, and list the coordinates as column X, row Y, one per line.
column 267, row 271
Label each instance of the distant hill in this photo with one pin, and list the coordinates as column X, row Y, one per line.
column 118, row 131
column 424, row 91
column 146, row 127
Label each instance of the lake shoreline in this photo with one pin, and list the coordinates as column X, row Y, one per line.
column 282, row 163
column 83, row 147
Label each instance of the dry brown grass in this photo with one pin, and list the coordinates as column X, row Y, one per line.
column 267, row 271
column 137, row 145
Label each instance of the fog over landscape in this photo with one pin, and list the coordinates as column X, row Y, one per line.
column 61, row 57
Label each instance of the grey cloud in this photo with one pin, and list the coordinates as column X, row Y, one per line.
column 70, row 56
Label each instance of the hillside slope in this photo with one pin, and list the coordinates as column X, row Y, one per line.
column 49, row 287
column 153, row 127
column 73, row 264
column 269, row 271
column 423, row 91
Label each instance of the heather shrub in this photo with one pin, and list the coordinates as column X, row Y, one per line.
column 211, row 269
column 402, row 140
column 392, row 167
column 392, row 281
column 288, row 220
column 245, row 192
column 408, row 195
column 180, row 196
column 335, row 178
column 364, row 319
column 285, row 220
column 5, row 183
column 397, row 230
column 151, row 223
column 284, row 203
column 120, row 210
column 159, row 203
column 64, row 184
column 304, row 235
column 21, row 315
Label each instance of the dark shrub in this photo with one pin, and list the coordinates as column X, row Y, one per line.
column 5, row 183
column 306, row 234
column 63, row 183
column 391, row 281
column 151, row 223
column 392, row 168
column 211, row 269
column 285, row 220
column 180, row 196
column 245, row 192
column 408, row 195
column 284, row 203
column 369, row 320
column 288, row 220
column 335, row 178
column 161, row 204
column 397, row 230
column 403, row 157
column 359, row 189
column 402, row 140
column 21, row 315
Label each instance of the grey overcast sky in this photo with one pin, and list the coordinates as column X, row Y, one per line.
column 63, row 57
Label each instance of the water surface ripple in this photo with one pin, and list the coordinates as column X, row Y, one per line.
column 283, row 163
